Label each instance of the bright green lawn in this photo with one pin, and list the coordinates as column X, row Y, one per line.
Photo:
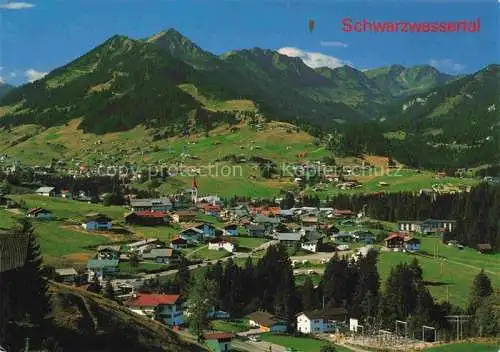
column 250, row 242
column 233, row 325
column 456, row 274
column 205, row 253
column 302, row 344
column 69, row 209
column 464, row 347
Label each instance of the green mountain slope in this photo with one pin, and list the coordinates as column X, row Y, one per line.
column 4, row 88
column 398, row 80
column 84, row 321
column 457, row 123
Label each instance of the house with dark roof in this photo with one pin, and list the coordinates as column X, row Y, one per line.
column 108, row 252
column 39, row 213
column 96, row 221
column 225, row 243
column 266, row 322
column 158, row 255
column 146, row 218
column 289, row 239
column 208, row 229
column 321, row 321
column 169, row 309
column 256, row 230
column 231, row 229
column 484, row 248
column 411, row 244
column 191, row 235
column 178, row 243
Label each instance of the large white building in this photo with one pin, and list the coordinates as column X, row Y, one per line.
column 321, row 321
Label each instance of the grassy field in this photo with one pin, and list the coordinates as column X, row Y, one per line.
column 278, row 142
column 452, row 276
column 233, row 325
column 464, row 347
column 301, row 344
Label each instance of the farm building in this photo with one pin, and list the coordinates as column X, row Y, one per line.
column 96, row 221
column 266, row 322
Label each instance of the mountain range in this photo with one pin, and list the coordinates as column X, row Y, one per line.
column 167, row 81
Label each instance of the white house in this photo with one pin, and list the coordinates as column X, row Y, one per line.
column 321, row 321
column 220, row 243
column 46, row 191
column 168, row 309
column 97, row 221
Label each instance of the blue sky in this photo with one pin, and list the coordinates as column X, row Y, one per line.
column 40, row 35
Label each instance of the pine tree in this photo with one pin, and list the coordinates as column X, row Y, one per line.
column 109, row 292
column 31, row 299
column 133, row 260
column 308, row 294
column 481, row 289
column 486, row 322
column 200, row 302
column 182, row 276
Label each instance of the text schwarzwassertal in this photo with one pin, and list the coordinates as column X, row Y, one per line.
column 364, row 25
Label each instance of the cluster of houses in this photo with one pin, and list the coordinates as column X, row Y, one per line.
column 170, row 309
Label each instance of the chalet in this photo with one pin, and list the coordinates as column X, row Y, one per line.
column 427, row 226
column 321, row 321
column 365, row 236
column 158, row 255
column 178, row 243
column 484, row 248
column 266, row 322
column 395, row 240
column 184, row 216
column 146, row 218
column 210, row 209
column 46, row 191
column 66, row 276
column 267, row 221
column 208, row 229
column 96, row 221
column 101, row 268
column 166, row 308
column 39, row 213
column 411, row 244
column 222, row 243
column 265, row 211
column 308, row 220
column 231, row 229
column 219, row 341
column 256, row 230
column 312, row 241
column 287, row 214
column 191, row 235
column 108, row 252
column 289, row 239
column 161, row 204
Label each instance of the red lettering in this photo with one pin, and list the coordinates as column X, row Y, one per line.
column 347, row 24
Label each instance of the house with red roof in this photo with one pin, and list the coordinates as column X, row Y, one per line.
column 395, row 240
column 146, row 218
column 178, row 243
column 168, row 309
column 219, row 341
